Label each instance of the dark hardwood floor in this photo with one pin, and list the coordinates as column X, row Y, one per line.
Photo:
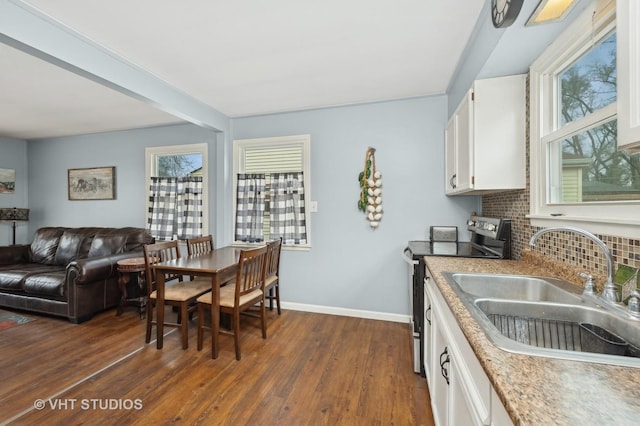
column 313, row 369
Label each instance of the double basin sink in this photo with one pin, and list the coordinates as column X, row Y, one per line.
column 548, row 317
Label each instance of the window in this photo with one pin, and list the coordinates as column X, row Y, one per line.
column 176, row 191
column 271, row 181
column 577, row 173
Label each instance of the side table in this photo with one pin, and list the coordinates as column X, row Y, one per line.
column 127, row 268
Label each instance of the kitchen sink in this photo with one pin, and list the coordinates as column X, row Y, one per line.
column 516, row 287
column 542, row 316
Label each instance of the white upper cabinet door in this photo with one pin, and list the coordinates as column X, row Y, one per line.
column 628, row 17
column 450, row 155
column 458, row 154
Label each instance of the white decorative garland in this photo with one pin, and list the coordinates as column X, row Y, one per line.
column 370, row 179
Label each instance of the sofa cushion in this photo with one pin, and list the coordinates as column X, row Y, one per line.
column 68, row 247
column 105, row 244
column 45, row 245
column 83, row 250
column 50, row 284
column 13, row 279
column 136, row 238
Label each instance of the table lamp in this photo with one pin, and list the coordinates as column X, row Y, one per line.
column 14, row 215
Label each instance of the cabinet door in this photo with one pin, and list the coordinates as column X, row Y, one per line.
column 499, row 158
column 458, row 148
column 450, row 155
column 459, row 411
column 428, row 314
column 628, row 16
column 464, row 144
column 440, row 376
column 499, row 415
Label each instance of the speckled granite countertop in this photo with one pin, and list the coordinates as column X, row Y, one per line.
column 538, row 390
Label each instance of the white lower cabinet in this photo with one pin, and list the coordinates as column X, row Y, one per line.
column 460, row 391
column 440, row 377
column 427, row 332
column 499, row 415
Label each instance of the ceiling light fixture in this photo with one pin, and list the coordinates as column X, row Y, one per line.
column 550, row 11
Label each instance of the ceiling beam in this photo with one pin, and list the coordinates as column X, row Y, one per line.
column 29, row 30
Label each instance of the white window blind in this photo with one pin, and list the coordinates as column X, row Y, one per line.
column 273, row 160
column 273, row 155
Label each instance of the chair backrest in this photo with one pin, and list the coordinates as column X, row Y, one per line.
column 252, row 268
column 199, row 245
column 160, row 252
column 273, row 257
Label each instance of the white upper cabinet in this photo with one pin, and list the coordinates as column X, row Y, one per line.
column 628, row 17
column 457, row 149
column 485, row 138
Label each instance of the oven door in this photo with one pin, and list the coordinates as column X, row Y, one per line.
column 414, row 323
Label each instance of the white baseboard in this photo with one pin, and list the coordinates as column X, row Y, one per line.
column 331, row 310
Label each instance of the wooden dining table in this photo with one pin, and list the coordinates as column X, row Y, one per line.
column 220, row 265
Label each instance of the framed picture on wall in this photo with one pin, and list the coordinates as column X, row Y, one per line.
column 7, row 181
column 95, row 183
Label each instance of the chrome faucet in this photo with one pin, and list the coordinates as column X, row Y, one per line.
column 610, row 291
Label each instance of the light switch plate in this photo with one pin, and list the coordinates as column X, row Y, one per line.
column 313, row 206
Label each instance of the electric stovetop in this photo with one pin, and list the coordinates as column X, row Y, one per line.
column 419, row 249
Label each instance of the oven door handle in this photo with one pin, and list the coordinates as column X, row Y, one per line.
column 491, row 251
column 408, row 258
column 486, row 250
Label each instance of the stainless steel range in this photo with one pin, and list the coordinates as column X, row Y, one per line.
column 490, row 238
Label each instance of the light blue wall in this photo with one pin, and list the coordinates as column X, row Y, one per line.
column 493, row 52
column 483, row 40
column 49, row 160
column 350, row 265
column 13, row 155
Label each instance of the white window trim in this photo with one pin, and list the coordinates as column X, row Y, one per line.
column 240, row 145
column 609, row 218
column 151, row 154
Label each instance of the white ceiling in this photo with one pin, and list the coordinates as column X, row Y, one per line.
column 241, row 57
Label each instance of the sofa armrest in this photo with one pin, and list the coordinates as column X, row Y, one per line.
column 83, row 271
column 11, row 255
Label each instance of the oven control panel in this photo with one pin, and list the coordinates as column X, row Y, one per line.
column 488, row 226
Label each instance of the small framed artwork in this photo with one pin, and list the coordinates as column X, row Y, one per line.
column 96, row 183
column 7, row 181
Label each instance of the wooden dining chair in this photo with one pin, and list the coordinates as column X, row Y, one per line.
column 178, row 292
column 200, row 245
column 247, row 291
column 272, row 279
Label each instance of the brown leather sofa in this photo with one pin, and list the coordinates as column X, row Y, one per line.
column 69, row 272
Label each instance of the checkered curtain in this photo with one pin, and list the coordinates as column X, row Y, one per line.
column 175, row 207
column 189, row 207
column 250, row 207
column 287, row 208
column 163, row 194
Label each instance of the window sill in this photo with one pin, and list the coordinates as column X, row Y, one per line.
column 618, row 227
